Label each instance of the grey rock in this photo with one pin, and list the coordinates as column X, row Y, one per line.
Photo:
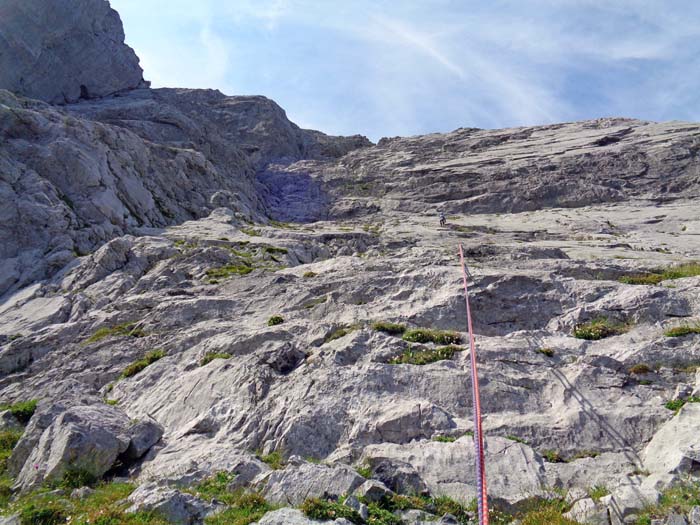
column 287, row 516
column 676, row 519
column 694, row 516
column 675, row 448
column 81, row 493
column 143, row 435
column 293, row 485
column 175, row 506
column 373, row 490
column 357, row 506
column 72, row 50
column 83, row 438
column 10, row 520
column 9, row 422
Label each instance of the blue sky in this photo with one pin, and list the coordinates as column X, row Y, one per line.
column 386, row 68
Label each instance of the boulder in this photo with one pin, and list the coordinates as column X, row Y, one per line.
column 9, row 422
column 289, row 516
column 71, row 51
column 373, row 490
column 143, row 435
column 675, row 448
column 293, row 485
column 514, row 470
column 359, row 507
column 176, row 507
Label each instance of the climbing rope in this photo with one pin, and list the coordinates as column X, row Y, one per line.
column 482, row 503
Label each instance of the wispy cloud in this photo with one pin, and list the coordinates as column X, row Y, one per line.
column 369, row 67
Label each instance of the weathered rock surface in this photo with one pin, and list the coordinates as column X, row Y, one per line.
column 64, row 51
column 139, row 223
column 176, row 507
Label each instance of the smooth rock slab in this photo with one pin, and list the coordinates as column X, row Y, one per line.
column 291, row 517
column 675, row 448
column 293, row 485
column 176, row 507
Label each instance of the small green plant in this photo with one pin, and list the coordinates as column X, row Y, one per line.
column 318, row 509
column 546, row 351
column 247, row 508
column 51, row 513
column 424, row 357
column 274, row 249
column 680, row 498
column 251, row 232
column 14, row 337
column 315, row 302
column 599, row 329
column 229, row 270
column 74, row 478
column 552, row 456
column 640, row 369
column 22, row 410
column 274, row 459
column 445, row 439
column 309, row 275
column 683, row 330
column 425, row 335
column 691, row 269
column 210, row 356
column 341, row 332
column 585, row 453
column 364, row 470
column 121, row 330
column 677, row 404
column 8, row 440
column 148, row 359
column 516, row 439
column 598, row 491
column 389, row 328
column 111, row 402
column 275, row 320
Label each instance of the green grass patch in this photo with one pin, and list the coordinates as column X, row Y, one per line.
column 389, row 328
column 546, row 352
column 639, row 369
column 599, row 328
column 683, row 330
column 315, row 302
column 148, row 359
column 516, row 439
column 680, row 498
column 229, row 270
column 210, row 356
column 309, row 275
column 424, row 357
column 111, row 402
column 677, row 404
column 341, row 332
column 552, row 456
column 251, row 232
column 8, row 440
column 121, row 330
column 598, row 491
column 275, row 320
column 319, row 509
column 364, row 470
column 22, row 410
column 445, row 439
column 426, row 335
column 274, row 249
column 691, row 269
column 274, row 459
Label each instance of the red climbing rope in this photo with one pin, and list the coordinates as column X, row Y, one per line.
column 482, row 503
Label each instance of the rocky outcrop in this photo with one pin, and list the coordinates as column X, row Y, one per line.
column 69, row 51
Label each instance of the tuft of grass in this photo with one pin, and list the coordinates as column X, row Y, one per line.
column 136, row 367
column 546, row 516
column 274, row 249
column 552, row 456
column 8, row 440
column 210, row 356
column 445, row 439
column 691, row 269
column 22, row 410
column 309, row 275
column 315, row 302
column 274, row 459
column 125, row 329
column 640, row 368
column 318, row 509
column 599, row 328
column 546, row 351
column 598, row 491
column 677, row 404
column 424, row 357
column 340, row 332
column 680, row 498
column 251, row 232
column 229, row 270
column 364, row 470
column 585, row 453
column 275, row 320
column 516, row 439
column 683, row 330
column 74, row 478
column 389, row 328
column 111, row 402
column 426, row 335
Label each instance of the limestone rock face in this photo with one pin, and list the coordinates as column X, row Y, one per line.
column 60, row 51
column 293, row 485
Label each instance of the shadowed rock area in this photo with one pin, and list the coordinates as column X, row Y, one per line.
column 223, row 316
